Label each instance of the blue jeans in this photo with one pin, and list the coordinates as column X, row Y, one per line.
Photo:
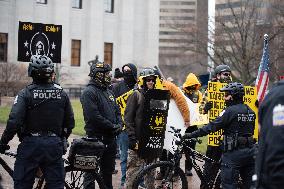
column 123, row 143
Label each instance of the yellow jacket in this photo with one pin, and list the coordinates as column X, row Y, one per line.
column 178, row 97
column 191, row 80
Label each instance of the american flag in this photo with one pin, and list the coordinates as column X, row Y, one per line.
column 262, row 76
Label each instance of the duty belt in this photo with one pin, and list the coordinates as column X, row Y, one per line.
column 42, row 134
column 244, row 142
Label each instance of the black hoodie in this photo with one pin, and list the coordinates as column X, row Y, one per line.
column 124, row 86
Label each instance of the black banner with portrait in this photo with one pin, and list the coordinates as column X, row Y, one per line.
column 39, row 39
column 156, row 108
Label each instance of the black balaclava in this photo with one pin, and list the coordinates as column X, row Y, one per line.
column 236, row 99
column 130, row 77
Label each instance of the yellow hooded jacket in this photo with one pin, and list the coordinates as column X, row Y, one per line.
column 191, row 80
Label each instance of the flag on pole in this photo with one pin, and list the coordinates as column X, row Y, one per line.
column 262, row 76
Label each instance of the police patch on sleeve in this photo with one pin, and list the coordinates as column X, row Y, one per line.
column 16, row 100
column 57, row 86
column 278, row 115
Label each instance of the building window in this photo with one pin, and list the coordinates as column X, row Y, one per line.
column 3, row 47
column 109, row 6
column 108, row 53
column 77, row 4
column 75, row 52
column 41, row 1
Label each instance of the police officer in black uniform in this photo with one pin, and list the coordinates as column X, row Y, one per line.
column 270, row 158
column 42, row 115
column 238, row 122
column 222, row 74
column 102, row 117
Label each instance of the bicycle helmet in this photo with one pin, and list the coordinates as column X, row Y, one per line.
column 40, row 67
column 236, row 90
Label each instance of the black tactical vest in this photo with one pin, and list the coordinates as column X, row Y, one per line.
column 45, row 108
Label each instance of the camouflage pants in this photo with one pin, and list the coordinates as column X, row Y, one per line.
column 134, row 165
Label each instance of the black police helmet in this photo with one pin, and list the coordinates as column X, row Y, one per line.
column 147, row 72
column 222, row 68
column 96, row 66
column 235, row 89
column 40, row 67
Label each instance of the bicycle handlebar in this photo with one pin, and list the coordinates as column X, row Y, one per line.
column 189, row 140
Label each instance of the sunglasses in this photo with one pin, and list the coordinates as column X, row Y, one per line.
column 226, row 74
column 150, row 79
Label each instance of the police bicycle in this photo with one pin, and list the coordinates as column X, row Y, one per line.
column 174, row 176
column 76, row 165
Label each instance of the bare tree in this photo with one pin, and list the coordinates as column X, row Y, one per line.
column 62, row 73
column 13, row 77
column 239, row 28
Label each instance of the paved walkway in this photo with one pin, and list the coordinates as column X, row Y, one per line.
column 7, row 181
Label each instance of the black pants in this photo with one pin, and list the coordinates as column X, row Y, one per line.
column 210, row 171
column 43, row 152
column 235, row 164
column 107, row 164
column 188, row 163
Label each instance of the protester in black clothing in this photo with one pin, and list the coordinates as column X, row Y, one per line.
column 222, row 74
column 238, row 122
column 102, row 118
column 43, row 118
column 270, row 158
column 121, row 91
column 129, row 80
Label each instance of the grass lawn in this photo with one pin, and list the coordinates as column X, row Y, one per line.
column 79, row 122
column 4, row 114
column 79, row 119
column 78, row 112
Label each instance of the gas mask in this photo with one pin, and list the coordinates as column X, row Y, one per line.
column 103, row 79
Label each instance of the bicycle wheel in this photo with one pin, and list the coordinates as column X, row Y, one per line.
column 174, row 178
column 74, row 179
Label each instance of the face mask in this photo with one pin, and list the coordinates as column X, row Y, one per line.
column 129, row 79
column 102, row 79
column 107, row 79
column 229, row 102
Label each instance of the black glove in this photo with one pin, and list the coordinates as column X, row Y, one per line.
column 4, row 147
column 188, row 136
column 133, row 144
column 208, row 106
column 117, row 128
